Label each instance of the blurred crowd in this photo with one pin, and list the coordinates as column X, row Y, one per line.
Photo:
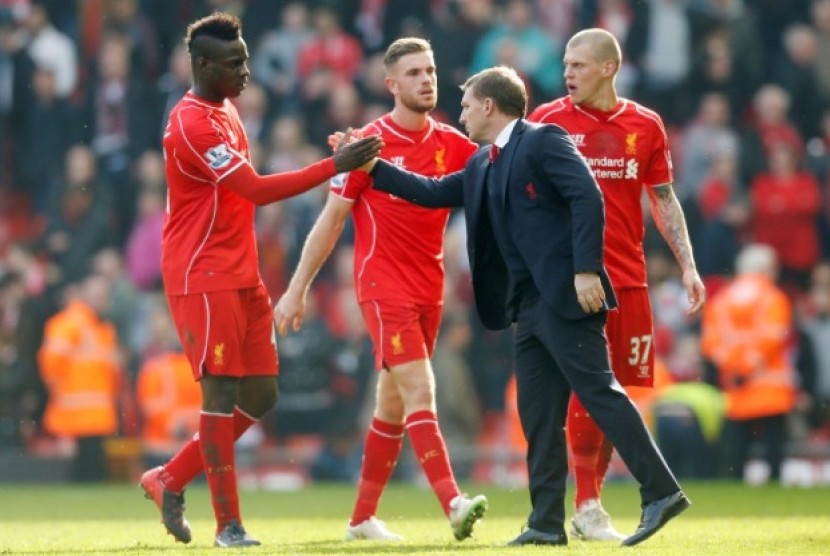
column 85, row 87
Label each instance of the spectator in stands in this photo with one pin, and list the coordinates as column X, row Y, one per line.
column 540, row 61
column 174, row 83
column 717, row 69
column 288, row 149
column 120, row 123
column 142, row 256
column 709, row 134
column 795, row 70
column 330, row 58
column 769, row 126
column 660, row 43
column 723, row 213
column 274, row 61
column 454, row 33
column 814, row 352
column 14, row 369
column 688, row 414
column 80, row 365
column 80, row 225
column 738, row 25
column 343, row 109
column 820, row 18
column 786, row 201
column 51, row 49
column 747, row 333
column 254, row 112
column 44, row 133
column 122, row 309
column 124, row 18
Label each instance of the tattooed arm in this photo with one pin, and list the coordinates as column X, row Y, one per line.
column 670, row 221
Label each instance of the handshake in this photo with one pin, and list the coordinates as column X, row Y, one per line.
column 352, row 151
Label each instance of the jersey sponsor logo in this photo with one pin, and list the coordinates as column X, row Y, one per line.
column 440, row 165
column 631, row 144
column 578, row 139
column 219, row 354
column 632, row 168
column 605, row 167
column 397, row 344
column 397, row 161
column 219, row 156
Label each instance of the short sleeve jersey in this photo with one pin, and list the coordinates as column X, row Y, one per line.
column 208, row 241
column 627, row 150
column 399, row 246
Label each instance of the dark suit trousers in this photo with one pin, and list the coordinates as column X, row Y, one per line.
column 552, row 356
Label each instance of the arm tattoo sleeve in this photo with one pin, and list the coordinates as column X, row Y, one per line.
column 670, row 221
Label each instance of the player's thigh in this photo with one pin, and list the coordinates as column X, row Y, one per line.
column 259, row 349
column 630, row 332
column 211, row 327
column 399, row 331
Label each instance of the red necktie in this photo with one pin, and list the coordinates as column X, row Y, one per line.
column 494, row 152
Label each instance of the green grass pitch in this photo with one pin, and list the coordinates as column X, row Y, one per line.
column 725, row 519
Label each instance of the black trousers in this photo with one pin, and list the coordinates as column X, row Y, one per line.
column 553, row 356
column 738, row 436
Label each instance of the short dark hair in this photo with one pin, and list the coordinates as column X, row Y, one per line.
column 503, row 85
column 219, row 25
column 404, row 46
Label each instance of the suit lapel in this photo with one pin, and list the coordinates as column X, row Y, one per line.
column 476, row 185
column 505, row 162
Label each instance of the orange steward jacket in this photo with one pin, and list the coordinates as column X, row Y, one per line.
column 746, row 334
column 79, row 365
column 170, row 401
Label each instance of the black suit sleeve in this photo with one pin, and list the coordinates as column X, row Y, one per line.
column 427, row 192
column 564, row 167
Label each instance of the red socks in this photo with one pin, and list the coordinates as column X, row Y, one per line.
column 431, row 451
column 187, row 463
column 216, row 443
column 589, row 460
column 380, row 454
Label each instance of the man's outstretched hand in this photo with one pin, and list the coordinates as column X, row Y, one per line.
column 351, row 154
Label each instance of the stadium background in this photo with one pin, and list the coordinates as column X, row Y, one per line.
column 85, row 86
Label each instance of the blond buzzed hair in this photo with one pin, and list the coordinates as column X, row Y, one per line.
column 604, row 46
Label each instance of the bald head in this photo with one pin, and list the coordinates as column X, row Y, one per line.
column 602, row 45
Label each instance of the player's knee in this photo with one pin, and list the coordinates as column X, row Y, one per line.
column 259, row 401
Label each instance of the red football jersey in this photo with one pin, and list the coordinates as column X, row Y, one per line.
column 399, row 246
column 627, row 150
column 208, row 242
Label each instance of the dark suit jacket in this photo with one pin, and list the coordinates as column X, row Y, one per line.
column 554, row 212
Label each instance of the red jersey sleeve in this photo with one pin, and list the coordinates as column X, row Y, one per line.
column 349, row 186
column 205, row 148
column 658, row 170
